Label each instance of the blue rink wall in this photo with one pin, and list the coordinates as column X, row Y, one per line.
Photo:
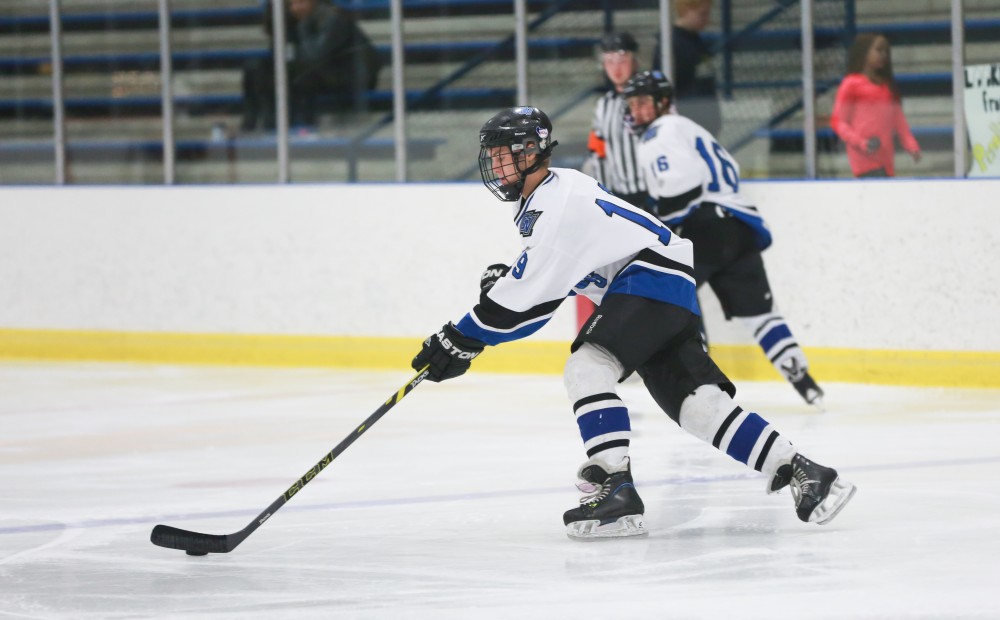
column 893, row 282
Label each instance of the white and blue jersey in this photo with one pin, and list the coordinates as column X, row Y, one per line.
column 681, row 160
column 579, row 239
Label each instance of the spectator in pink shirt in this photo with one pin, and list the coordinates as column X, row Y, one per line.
column 868, row 114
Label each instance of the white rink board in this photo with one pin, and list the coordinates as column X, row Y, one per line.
column 875, row 265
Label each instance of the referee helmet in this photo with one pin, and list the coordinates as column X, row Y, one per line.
column 619, row 42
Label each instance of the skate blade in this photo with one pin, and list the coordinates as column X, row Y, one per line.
column 629, row 525
column 841, row 492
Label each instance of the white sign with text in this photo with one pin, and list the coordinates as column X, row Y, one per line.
column 982, row 114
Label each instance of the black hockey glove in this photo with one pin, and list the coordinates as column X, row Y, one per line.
column 491, row 275
column 448, row 353
column 873, row 144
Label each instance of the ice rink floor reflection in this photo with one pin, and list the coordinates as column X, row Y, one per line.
column 451, row 506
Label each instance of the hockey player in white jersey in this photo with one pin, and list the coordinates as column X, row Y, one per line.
column 578, row 239
column 695, row 183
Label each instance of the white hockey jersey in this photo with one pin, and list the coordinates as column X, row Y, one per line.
column 679, row 157
column 579, row 239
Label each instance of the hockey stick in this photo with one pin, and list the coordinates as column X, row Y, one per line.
column 195, row 543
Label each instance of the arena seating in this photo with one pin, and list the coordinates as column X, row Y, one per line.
column 922, row 59
column 213, row 44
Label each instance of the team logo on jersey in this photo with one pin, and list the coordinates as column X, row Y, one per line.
column 650, row 134
column 527, row 222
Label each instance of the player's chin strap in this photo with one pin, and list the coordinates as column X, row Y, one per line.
column 512, row 191
column 543, row 156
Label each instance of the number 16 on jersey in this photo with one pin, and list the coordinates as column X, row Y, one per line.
column 729, row 174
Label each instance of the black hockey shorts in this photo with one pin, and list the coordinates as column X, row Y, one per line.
column 660, row 341
column 727, row 257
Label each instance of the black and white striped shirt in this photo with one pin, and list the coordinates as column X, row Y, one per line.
column 618, row 170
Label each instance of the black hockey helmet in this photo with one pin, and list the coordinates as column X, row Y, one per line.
column 523, row 130
column 654, row 84
column 619, row 42
column 649, row 83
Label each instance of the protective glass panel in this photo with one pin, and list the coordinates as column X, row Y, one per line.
column 567, row 72
column 337, row 57
column 889, row 110
column 460, row 71
column 221, row 60
column 26, row 129
column 759, row 69
column 112, row 92
column 340, row 91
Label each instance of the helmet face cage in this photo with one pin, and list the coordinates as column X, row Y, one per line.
column 495, row 182
column 519, row 132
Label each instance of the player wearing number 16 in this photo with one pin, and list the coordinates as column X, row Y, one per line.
column 578, row 239
column 696, row 185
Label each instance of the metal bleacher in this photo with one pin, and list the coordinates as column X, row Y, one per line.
column 920, row 34
column 460, row 69
column 113, row 105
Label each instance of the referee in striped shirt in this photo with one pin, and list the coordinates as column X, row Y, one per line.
column 611, row 142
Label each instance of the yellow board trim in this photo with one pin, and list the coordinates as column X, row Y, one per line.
column 977, row 369
column 740, row 362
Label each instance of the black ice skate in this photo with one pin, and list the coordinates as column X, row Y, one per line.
column 819, row 493
column 806, row 386
column 611, row 506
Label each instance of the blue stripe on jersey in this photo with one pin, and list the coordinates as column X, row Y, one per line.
column 774, row 336
column 470, row 328
column 746, row 438
column 756, row 223
column 666, row 287
column 677, row 217
column 753, row 221
column 603, row 421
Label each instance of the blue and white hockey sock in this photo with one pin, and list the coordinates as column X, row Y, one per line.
column 591, row 377
column 779, row 345
column 714, row 417
column 604, row 426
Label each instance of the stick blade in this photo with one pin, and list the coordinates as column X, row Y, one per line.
column 194, row 543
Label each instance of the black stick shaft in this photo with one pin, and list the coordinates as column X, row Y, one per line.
column 197, row 544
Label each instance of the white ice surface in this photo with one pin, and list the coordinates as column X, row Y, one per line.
column 450, row 507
